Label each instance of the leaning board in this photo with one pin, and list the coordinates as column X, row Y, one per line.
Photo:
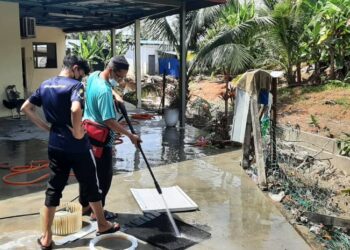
column 177, row 200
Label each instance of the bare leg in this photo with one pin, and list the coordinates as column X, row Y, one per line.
column 102, row 223
column 48, row 215
column 86, row 210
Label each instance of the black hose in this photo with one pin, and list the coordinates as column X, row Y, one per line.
column 24, row 215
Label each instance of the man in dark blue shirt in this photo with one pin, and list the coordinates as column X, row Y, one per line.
column 62, row 99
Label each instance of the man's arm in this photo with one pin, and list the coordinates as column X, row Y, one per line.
column 116, row 127
column 29, row 109
column 76, row 116
column 117, row 96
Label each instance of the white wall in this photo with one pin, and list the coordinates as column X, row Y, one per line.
column 10, row 51
column 11, row 58
column 43, row 35
column 146, row 50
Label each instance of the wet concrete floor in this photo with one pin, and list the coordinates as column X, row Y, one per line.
column 236, row 213
column 21, row 142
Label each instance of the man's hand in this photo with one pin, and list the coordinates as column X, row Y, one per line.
column 117, row 96
column 116, row 127
column 29, row 109
column 135, row 139
column 77, row 128
column 78, row 133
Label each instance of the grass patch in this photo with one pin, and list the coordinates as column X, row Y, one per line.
column 289, row 95
column 330, row 85
column 343, row 102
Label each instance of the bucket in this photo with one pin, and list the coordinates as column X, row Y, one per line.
column 128, row 240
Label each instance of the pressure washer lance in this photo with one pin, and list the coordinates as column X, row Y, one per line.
column 121, row 107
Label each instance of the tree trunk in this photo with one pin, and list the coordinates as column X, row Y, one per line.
column 226, row 99
column 332, row 55
column 290, row 76
column 299, row 73
column 317, row 73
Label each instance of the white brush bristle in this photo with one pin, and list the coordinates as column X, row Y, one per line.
column 68, row 219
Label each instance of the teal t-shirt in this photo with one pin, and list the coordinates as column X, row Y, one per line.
column 99, row 104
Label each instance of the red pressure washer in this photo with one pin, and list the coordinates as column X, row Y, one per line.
column 121, row 107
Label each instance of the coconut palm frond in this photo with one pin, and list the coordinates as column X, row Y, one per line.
column 230, row 57
column 270, row 3
column 235, row 35
column 160, row 29
column 201, row 20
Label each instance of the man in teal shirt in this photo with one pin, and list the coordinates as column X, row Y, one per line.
column 100, row 108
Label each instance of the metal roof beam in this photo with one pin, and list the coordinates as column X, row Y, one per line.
column 98, row 27
column 63, row 2
column 171, row 3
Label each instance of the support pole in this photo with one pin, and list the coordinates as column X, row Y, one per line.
column 138, row 62
column 274, row 121
column 113, row 42
column 163, row 96
column 259, row 155
column 183, row 54
column 247, row 142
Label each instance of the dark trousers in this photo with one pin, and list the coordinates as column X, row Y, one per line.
column 84, row 169
column 104, row 173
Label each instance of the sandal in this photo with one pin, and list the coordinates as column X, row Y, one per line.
column 108, row 215
column 42, row 247
column 115, row 227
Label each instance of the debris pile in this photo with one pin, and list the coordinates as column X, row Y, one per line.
column 315, row 194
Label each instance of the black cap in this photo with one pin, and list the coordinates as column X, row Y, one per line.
column 118, row 63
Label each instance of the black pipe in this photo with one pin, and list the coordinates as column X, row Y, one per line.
column 121, row 107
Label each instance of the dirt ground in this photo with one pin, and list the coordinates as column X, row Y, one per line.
column 208, row 90
column 330, row 108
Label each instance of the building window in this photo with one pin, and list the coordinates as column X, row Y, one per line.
column 44, row 55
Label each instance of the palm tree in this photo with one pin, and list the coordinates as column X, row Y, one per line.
column 227, row 45
column 288, row 35
column 167, row 28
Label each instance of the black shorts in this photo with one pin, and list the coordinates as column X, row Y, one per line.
column 84, row 168
column 105, row 175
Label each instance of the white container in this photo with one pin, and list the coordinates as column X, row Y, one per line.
column 171, row 117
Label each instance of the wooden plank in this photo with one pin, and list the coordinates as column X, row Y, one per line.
column 246, row 142
column 240, row 117
column 328, row 220
column 259, row 156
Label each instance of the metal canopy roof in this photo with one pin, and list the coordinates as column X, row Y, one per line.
column 83, row 15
